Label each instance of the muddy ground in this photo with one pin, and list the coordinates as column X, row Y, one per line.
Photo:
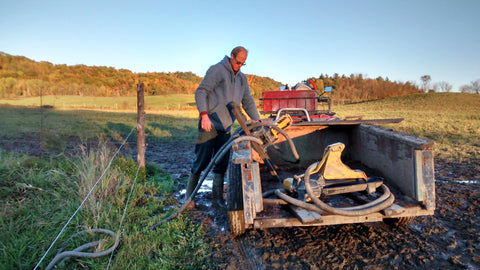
column 448, row 240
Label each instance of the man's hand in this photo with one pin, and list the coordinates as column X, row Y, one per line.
column 206, row 123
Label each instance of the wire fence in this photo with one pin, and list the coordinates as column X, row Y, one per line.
column 78, row 250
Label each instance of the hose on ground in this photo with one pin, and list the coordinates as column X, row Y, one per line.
column 223, row 150
column 78, row 252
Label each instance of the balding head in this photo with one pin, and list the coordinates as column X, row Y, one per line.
column 237, row 58
column 238, row 49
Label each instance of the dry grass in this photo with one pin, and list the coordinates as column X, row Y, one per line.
column 91, row 165
column 451, row 120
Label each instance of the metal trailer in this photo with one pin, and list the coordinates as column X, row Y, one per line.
column 404, row 163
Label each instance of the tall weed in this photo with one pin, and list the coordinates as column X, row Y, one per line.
column 92, row 167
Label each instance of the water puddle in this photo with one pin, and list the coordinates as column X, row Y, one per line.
column 476, row 182
column 205, row 187
column 470, row 182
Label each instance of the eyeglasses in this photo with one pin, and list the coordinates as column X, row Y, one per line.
column 235, row 61
column 240, row 63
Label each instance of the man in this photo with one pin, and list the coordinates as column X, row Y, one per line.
column 222, row 84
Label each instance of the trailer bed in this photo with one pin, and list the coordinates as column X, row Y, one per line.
column 293, row 216
column 404, row 161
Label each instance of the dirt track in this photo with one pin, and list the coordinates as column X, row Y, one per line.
column 448, row 240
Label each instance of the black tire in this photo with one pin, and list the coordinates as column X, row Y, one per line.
column 235, row 200
column 398, row 222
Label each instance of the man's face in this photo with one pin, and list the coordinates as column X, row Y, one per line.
column 239, row 61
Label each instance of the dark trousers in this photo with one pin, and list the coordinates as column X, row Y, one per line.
column 207, row 146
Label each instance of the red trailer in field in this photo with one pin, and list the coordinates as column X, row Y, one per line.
column 301, row 105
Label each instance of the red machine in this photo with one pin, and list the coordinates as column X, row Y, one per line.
column 301, row 105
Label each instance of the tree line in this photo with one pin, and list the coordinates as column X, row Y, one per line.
column 23, row 77
column 356, row 88
column 473, row 87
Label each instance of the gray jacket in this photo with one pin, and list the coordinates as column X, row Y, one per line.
column 219, row 87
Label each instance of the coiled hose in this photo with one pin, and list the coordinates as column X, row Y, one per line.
column 78, row 252
column 376, row 205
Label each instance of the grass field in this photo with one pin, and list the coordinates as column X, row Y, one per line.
column 37, row 196
column 451, row 120
column 167, row 102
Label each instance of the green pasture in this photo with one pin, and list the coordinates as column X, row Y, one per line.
column 38, row 195
column 164, row 102
column 61, row 124
column 452, row 120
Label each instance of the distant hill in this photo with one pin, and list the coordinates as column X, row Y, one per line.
column 20, row 76
column 23, row 77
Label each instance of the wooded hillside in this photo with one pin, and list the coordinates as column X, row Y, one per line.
column 23, row 77
column 20, row 76
column 355, row 88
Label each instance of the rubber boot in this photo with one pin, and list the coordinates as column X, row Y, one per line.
column 192, row 184
column 217, row 190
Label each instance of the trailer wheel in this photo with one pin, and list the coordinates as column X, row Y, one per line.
column 235, row 200
column 398, row 222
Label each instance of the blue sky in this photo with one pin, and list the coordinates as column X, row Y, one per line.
column 288, row 41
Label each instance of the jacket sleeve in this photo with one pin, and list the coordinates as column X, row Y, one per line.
column 248, row 103
column 206, row 86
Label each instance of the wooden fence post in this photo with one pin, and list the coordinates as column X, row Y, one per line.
column 140, row 126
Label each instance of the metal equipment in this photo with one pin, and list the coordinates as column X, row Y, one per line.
column 334, row 177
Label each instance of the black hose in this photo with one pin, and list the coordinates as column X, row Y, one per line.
column 272, row 201
column 297, row 202
column 372, row 207
column 275, row 202
column 386, row 194
column 386, row 200
column 223, row 150
column 268, row 193
column 281, row 131
column 78, row 252
column 376, row 205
